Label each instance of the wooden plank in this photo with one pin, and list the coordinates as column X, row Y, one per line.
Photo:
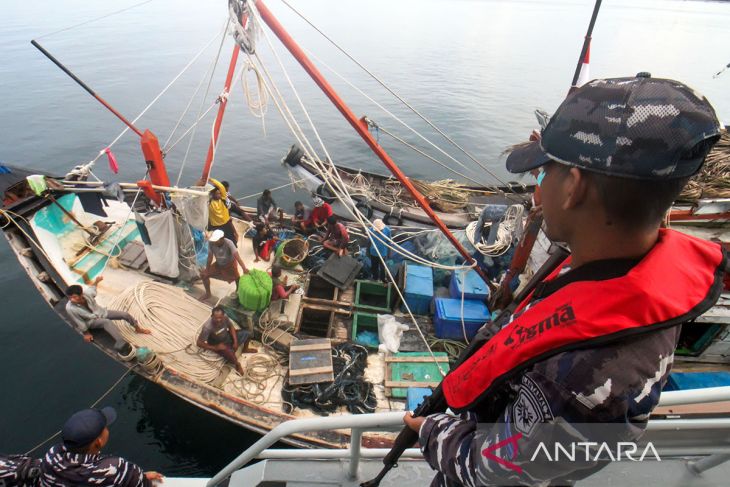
column 310, row 371
column 315, row 346
column 393, row 384
column 424, row 360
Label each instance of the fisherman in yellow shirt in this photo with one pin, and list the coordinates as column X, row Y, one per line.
column 219, row 217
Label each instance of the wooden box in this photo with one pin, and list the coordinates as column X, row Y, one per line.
column 310, row 361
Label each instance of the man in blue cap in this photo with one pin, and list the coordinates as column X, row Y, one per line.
column 78, row 460
column 582, row 361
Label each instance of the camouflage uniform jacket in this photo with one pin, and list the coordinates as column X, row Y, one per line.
column 617, row 383
column 62, row 468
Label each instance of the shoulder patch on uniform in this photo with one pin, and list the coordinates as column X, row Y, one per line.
column 530, row 407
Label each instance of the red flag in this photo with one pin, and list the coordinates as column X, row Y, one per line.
column 112, row 160
column 584, row 76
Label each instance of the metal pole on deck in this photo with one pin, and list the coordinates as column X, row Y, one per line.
column 361, row 127
column 586, row 46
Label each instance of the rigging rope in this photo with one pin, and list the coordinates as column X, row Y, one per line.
column 93, row 405
column 200, row 108
column 94, row 19
column 164, row 90
column 506, row 233
column 384, row 85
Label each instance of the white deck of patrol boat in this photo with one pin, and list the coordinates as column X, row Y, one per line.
column 693, row 452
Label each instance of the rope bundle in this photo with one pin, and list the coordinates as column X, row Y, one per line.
column 175, row 320
column 713, row 181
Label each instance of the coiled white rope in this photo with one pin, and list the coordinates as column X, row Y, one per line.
column 509, row 224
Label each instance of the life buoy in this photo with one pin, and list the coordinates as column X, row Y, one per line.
column 365, row 208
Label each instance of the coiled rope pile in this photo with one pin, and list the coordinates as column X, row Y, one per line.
column 175, row 320
column 713, row 180
column 507, row 232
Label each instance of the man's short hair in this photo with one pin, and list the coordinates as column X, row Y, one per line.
column 259, row 226
column 640, row 203
column 332, row 219
column 225, row 184
column 267, row 192
column 217, row 309
column 275, row 270
column 74, row 290
column 298, row 203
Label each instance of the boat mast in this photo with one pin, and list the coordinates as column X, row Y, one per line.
column 361, row 127
column 222, row 108
column 148, row 141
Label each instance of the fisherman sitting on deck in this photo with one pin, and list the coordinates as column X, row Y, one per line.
column 226, row 262
column 301, row 215
column 87, row 315
column 220, row 336
column 78, row 460
column 232, row 204
column 594, row 343
column 263, row 242
column 318, row 217
column 280, row 289
column 336, row 238
column 266, row 207
column 219, row 217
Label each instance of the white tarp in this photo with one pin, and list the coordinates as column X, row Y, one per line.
column 194, row 208
column 162, row 255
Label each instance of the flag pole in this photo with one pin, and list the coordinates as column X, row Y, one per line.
column 586, row 46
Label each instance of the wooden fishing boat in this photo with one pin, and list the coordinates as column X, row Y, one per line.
column 59, row 242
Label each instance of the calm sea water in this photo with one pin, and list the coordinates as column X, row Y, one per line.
column 477, row 68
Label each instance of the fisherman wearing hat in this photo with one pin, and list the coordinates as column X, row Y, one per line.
column 78, row 460
column 593, row 345
column 319, row 215
column 378, row 249
column 223, row 262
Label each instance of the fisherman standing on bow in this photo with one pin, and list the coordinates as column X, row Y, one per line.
column 594, row 343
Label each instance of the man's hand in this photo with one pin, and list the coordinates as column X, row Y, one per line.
column 142, row 331
column 98, row 280
column 154, row 476
column 412, row 422
column 220, row 347
column 88, row 337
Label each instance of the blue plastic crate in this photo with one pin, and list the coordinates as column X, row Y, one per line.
column 470, row 284
column 418, row 287
column 415, row 396
column 447, row 320
column 681, row 381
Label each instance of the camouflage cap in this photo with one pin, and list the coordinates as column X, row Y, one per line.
column 640, row 127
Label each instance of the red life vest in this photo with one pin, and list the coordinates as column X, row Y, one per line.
column 679, row 279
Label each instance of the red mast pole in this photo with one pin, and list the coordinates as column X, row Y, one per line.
column 362, row 129
column 221, row 112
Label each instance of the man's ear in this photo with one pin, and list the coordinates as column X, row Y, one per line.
column 575, row 186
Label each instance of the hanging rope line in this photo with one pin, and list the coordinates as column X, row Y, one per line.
column 409, row 106
column 402, row 122
column 94, row 19
column 212, row 65
column 200, row 108
column 164, row 90
column 95, row 403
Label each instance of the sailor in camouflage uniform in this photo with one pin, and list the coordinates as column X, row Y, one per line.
column 622, row 149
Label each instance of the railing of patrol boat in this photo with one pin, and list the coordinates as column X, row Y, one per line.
column 357, row 424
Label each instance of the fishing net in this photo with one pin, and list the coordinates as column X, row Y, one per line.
column 349, row 389
column 713, row 180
